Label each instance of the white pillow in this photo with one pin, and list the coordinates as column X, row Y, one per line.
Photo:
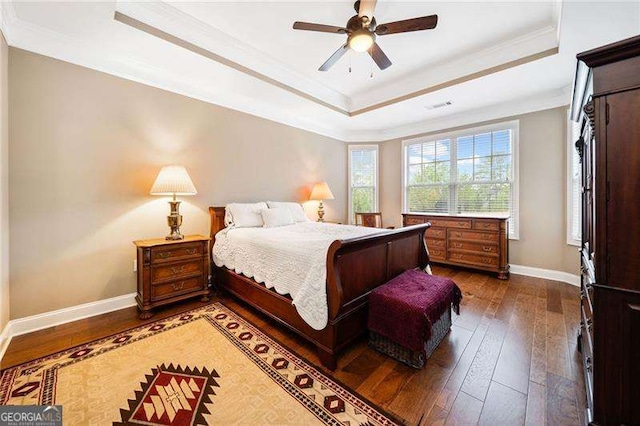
column 246, row 215
column 276, row 217
column 295, row 209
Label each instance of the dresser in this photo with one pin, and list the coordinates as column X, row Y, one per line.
column 606, row 104
column 170, row 271
column 472, row 242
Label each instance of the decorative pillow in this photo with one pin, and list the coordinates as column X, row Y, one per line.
column 245, row 215
column 296, row 210
column 276, row 217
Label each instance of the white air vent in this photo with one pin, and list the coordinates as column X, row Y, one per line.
column 440, row 105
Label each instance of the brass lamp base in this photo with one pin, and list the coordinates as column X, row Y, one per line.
column 174, row 220
column 320, row 212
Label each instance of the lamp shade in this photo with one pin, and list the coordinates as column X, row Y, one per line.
column 173, row 180
column 321, row 192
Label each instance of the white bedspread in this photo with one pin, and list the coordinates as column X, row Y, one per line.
column 290, row 259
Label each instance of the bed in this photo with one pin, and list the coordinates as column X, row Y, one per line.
column 351, row 269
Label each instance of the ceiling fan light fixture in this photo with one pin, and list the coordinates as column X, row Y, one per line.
column 361, row 40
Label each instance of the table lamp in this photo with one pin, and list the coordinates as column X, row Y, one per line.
column 173, row 180
column 321, row 192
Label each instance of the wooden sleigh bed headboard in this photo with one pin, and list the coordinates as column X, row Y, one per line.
column 354, row 268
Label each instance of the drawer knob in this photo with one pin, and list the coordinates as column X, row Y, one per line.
column 164, row 254
column 462, row 223
column 457, row 234
column 487, row 248
column 192, row 251
column 457, row 245
column 457, row 256
column 486, row 259
column 177, row 270
column 177, row 286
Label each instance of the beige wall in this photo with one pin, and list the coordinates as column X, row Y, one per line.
column 4, row 182
column 542, row 242
column 85, row 149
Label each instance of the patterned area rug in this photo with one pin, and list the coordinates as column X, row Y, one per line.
column 206, row 366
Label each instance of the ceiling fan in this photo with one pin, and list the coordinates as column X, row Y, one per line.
column 362, row 30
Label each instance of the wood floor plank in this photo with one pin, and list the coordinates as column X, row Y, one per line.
column 466, row 410
column 514, row 363
column 536, row 405
column 504, row 406
column 448, row 394
column 492, row 323
column 561, row 403
column 479, row 376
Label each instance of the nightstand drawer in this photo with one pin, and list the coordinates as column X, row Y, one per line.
column 175, row 252
column 162, row 291
column 160, row 274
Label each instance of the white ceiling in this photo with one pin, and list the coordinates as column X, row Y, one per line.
column 471, row 38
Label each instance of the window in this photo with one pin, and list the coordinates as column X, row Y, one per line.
column 473, row 172
column 574, row 187
column 363, row 179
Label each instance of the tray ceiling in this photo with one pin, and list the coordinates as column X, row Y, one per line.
column 489, row 59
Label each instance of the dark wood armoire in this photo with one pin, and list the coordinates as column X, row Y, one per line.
column 606, row 103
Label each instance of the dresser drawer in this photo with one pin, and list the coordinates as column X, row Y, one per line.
column 486, row 237
column 175, row 288
column 436, row 233
column 435, row 243
column 171, row 272
column 474, row 259
column 486, row 225
column 176, row 252
column 437, row 254
column 450, row 223
column 413, row 220
column 479, row 248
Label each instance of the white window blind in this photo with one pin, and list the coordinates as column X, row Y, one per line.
column 574, row 187
column 468, row 173
column 363, row 179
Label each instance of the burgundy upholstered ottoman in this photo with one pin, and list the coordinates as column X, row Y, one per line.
column 410, row 315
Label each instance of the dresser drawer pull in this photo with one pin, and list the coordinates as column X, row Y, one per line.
column 192, row 251
column 457, row 256
column 485, row 225
column 457, row 245
column 177, row 270
column 487, row 248
column 462, row 223
column 486, row 259
column 457, row 234
column 164, row 254
column 177, row 286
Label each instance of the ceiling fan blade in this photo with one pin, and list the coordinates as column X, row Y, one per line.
column 378, row 56
column 366, row 8
column 408, row 25
column 307, row 26
column 334, row 58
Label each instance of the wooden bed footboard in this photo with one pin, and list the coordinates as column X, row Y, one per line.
column 354, row 268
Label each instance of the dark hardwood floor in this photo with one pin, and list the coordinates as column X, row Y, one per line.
column 509, row 359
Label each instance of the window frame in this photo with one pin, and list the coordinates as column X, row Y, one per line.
column 513, row 125
column 571, row 151
column 376, row 190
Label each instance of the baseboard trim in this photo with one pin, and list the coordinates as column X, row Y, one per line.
column 37, row 322
column 548, row 274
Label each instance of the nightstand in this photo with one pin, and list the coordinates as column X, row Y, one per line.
column 170, row 271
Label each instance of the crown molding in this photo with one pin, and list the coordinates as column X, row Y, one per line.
column 517, row 51
column 548, row 100
column 197, row 36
